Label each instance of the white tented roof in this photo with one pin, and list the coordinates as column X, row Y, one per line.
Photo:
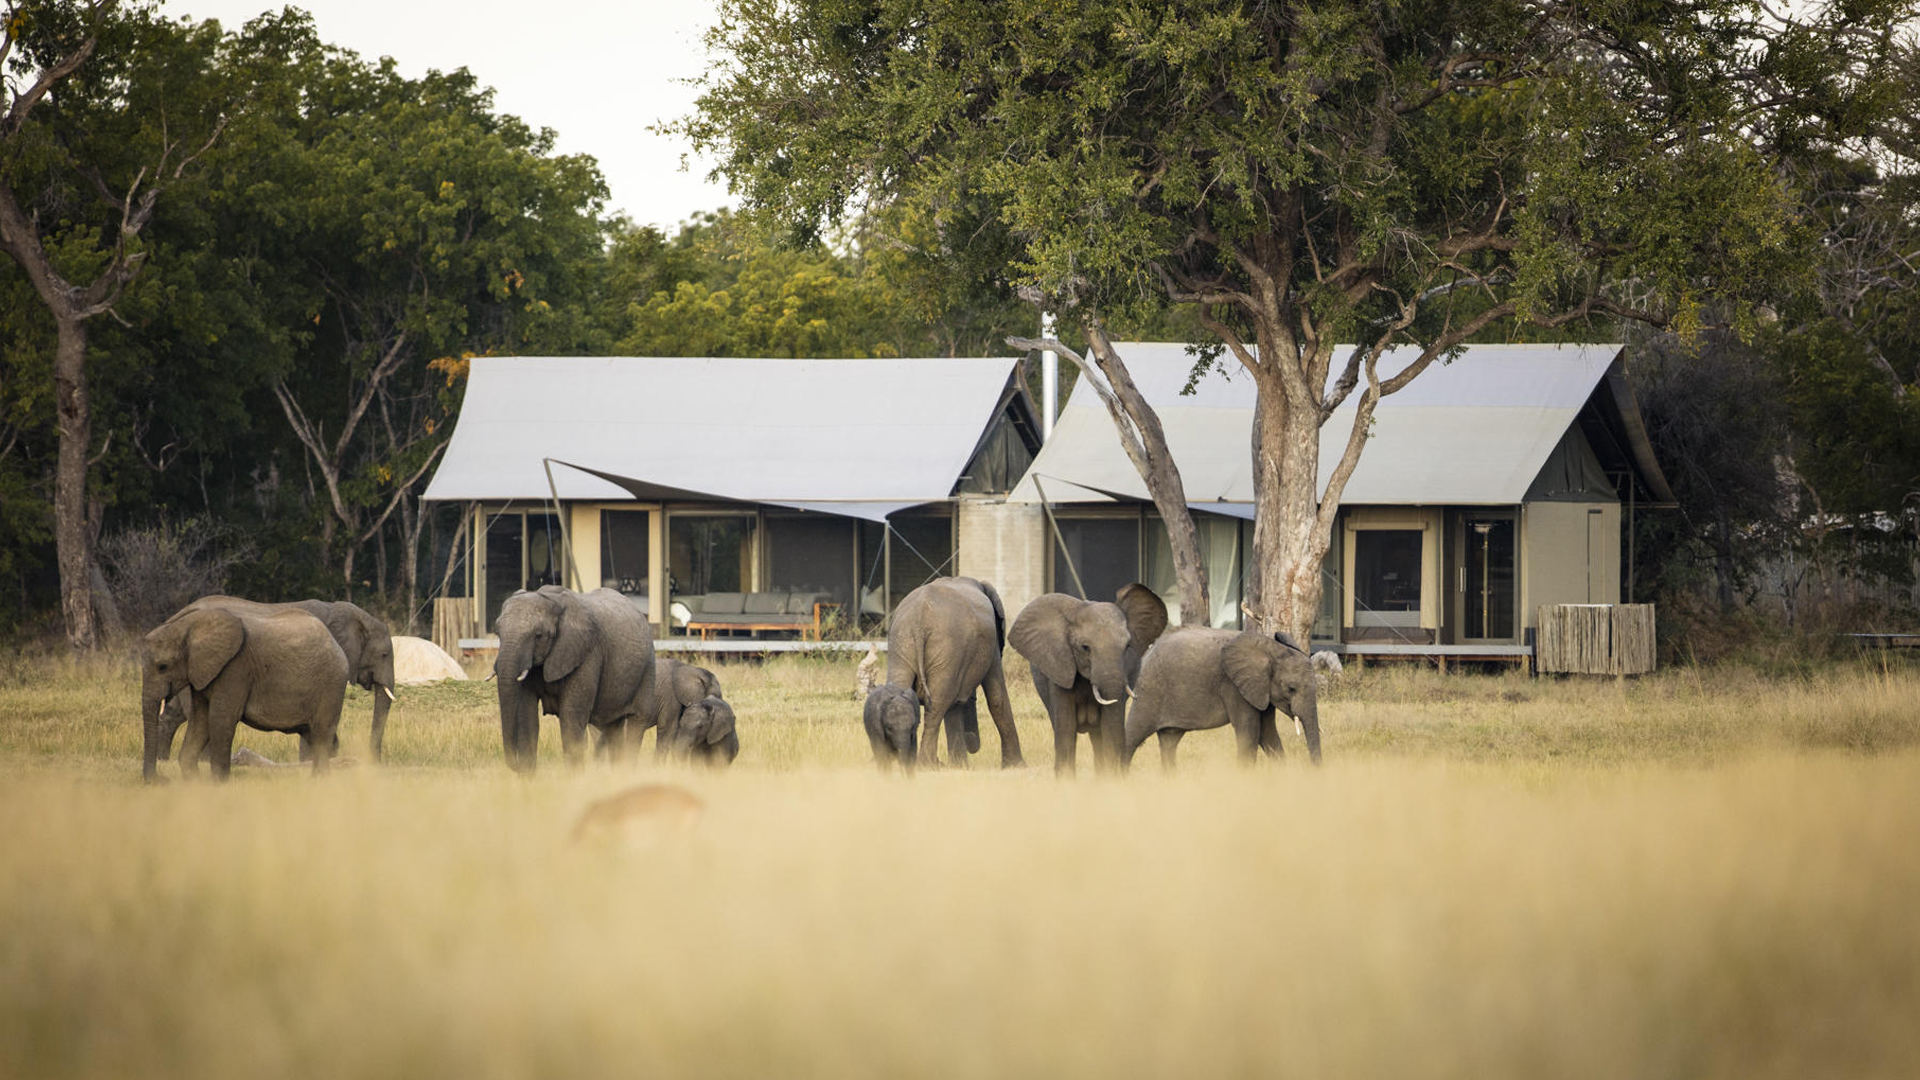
column 1475, row 431
column 855, row 437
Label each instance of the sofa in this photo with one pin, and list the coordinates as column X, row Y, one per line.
column 802, row 611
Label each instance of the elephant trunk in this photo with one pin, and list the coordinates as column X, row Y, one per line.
column 1310, row 728
column 1140, row 724
column 1109, row 681
column 382, row 701
column 514, row 661
column 516, row 703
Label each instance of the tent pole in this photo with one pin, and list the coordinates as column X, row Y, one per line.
column 567, row 576
column 1046, row 507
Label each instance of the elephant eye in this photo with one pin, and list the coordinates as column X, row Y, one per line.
column 160, row 667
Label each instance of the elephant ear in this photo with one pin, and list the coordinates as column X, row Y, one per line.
column 719, row 724
column 1246, row 662
column 214, row 638
column 1287, row 639
column 1146, row 614
column 689, row 685
column 1040, row 635
column 572, row 637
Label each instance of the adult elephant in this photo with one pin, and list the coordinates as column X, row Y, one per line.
column 365, row 640
column 275, row 671
column 944, row 644
column 584, row 657
column 1199, row 678
column 676, row 687
column 1085, row 656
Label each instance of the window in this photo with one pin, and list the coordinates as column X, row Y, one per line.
column 623, row 550
column 709, row 553
column 523, row 551
column 1386, row 570
column 811, row 553
column 922, row 550
column 1098, row 554
column 1220, row 553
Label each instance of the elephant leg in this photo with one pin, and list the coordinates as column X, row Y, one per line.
column 573, row 732
column 882, row 753
column 995, row 684
column 223, row 716
column 958, row 755
column 935, row 714
column 306, row 745
column 193, row 748
column 1270, row 734
column 1170, row 742
column 1246, row 737
column 619, row 749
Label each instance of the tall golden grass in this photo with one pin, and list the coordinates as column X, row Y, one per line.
column 1692, row 875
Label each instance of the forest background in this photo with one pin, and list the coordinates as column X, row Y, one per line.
column 328, row 243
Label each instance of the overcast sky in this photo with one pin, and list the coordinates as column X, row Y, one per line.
column 595, row 71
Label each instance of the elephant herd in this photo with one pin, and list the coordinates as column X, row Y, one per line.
column 1110, row 671
column 1088, row 659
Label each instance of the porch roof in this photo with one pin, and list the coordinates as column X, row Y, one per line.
column 1475, row 431
column 855, row 437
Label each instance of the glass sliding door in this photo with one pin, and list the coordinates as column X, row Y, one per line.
column 1487, row 578
column 503, row 560
column 1099, row 554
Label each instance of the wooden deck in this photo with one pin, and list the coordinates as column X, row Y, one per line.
column 1438, row 655
column 735, row 646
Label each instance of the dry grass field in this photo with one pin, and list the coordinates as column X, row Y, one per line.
column 1699, row 874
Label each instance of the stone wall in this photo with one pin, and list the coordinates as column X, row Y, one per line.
column 1004, row 543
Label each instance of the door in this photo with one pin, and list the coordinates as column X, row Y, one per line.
column 1487, row 578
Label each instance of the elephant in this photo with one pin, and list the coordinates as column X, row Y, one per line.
column 1085, row 656
column 892, row 719
column 584, row 657
column 365, row 640
column 944, row 644
column 676, row 685
column 705, row 734
column 1200, row 678
column 277, row 671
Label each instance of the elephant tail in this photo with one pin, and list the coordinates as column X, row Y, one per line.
column 999, row 616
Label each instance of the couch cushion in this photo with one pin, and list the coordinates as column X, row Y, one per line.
column 765, row 603
column 721, row 603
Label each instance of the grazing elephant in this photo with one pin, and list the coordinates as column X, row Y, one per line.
column 1085, row 656
column 584, row 657
column 676, row 685
column 892, row 719
column 365, row 640
column 1198, row 678
column 279, row 671
column 944, row 644
column 705, row 734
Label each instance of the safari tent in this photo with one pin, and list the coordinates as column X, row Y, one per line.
column 1491, row 485
column 753, row 491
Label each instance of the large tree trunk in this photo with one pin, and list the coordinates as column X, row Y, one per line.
column 72, row 538
column 1290, row 540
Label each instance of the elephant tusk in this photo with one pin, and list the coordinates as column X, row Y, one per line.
column 1299, row 728
column 387, row 692
column 1104, row 701
column 522, row 676
column 491, row 675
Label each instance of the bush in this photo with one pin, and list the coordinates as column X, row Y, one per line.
column 154, row 572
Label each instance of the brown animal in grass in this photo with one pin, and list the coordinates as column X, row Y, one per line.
column 640, row 814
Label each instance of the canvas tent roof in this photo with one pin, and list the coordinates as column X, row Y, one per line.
column 1475, row 431
column 855, row 437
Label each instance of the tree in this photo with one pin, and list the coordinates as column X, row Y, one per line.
column 1304, row 176
column 419, row 227
column 106, row 109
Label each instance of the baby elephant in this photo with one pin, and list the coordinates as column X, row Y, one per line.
column 706, row 734
column 892, row 717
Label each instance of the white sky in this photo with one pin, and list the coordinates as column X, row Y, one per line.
column 598, row 72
